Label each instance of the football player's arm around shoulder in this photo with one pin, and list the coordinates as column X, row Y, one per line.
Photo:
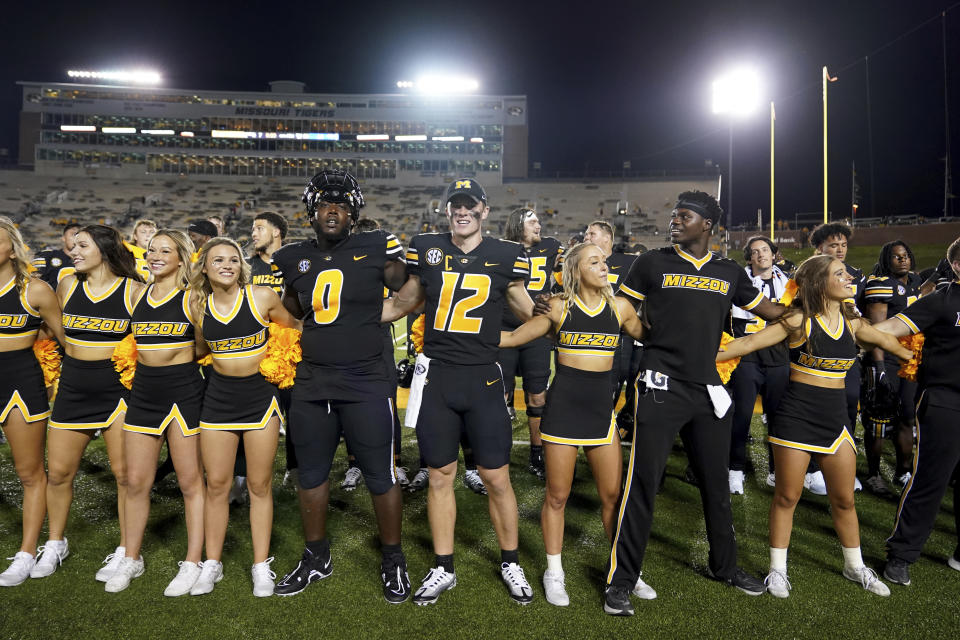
column 770, row 335
column 519, row 300
column 408, row 298
column 42, row 298
column 535, row 327
column 394, row 274
column 630, row 321
column 291, row 302
column 272, row 309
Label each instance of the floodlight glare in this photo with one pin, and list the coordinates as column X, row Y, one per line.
column 136, row 76
column 737, row 93
column 440, row 84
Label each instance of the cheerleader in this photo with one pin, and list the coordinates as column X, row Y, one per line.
column 97, row 302
column 233, row 316
column 164, row 402
column 25, row 303
column 587, row 321
column 822, row 332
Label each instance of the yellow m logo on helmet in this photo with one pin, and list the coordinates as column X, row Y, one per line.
column 463, row 184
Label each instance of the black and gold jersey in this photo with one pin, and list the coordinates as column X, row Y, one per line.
column 341, row 292
column 588, row 332
column 891, row 291
column 937, row 316
column 544, row 257
column 824, row 352
column 240, row 333
column 265, row 273
column 465, row 294
column 53, row 266
column 17, row 318
column 97, row 321
column 858, row 281
column 163, row 324
column 686, row 302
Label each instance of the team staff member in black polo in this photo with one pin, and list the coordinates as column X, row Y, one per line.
column 465, row 280
column 54, row 265
column 686, row 292
column 342, row 384
column 937, row 316
column 531, row 360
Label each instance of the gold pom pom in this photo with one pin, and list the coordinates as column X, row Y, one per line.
column 48, row 356
column 279, row 365
column 206, row 360
column 908, row 370
column 789, row 292
column 416, row 332
column 125, row 360
column 725, row 368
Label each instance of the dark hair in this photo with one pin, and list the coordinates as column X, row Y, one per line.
column 751, row 240
column 953, row 251
column 705, row 200
column 823, row 232
column 276, row 220
column 366, row 224
column 71, row 225
column 514, row 226
column 118, row 258
column 882, row 268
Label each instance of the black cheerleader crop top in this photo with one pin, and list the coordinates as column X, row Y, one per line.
column 824, row 353
column 17, row 318
column 163, row 324
column 97, row 321
column 588, row 332
column 241, row 333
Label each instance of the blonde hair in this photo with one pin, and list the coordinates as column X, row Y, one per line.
column 571, row 276
column 200, row 283
column 185, row 250
column 21, row 254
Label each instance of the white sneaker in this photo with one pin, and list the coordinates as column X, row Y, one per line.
column 211, row 572
column 19, row 569
column 185, row 579
column 868, row 579
column 814, row 483
column 402, row 478
column 238, row 492
column 953, row 562
column 778, row 584
column 513, row 576
column 434, row 583
column 127, row 570
column 554, row 587
column 473, row 481
column 420, row 480
column 291, row 477
column 351, row 479
column 263, row 578
column 857, row 485
column 736, row 482
column 643, row 591
column 110, row 564
column 49, row 557
column 904, row 479
column 771, row 479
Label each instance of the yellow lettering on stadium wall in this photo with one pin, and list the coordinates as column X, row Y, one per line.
column 701, row 283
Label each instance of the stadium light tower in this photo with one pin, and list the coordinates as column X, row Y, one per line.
column 132, row 76
column 736, row 95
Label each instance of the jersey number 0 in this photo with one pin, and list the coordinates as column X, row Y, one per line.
column 459, row 321
column 326, row 296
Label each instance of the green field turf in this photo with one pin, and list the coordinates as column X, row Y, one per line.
column 70, row 604
column 927, row 255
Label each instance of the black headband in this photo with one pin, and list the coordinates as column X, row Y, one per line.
column 696, row 208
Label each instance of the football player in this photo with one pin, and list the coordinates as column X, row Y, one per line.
column 465, row 280
column 335, row 283
column 53, row 265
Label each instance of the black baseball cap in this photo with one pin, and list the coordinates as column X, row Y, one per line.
column 204, row 228
column 466, row 186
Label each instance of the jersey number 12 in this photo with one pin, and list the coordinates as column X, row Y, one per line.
column 458, row 321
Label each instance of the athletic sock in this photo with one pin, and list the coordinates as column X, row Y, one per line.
column 388, row 550
column 778, row 559
column 509, row 556
column 319, row 548
column 553, row 563
column 351, row 463
column 852, row 558
column 444, row 561
column 536, row 454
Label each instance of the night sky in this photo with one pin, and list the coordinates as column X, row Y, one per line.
column 606, row 82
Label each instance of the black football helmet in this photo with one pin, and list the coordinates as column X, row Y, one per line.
column 335, row 186
column 404, row 373
column 879, row 403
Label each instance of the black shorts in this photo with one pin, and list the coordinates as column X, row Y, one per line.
column 162, row 394
column 468, row 397
column 579, row 408
column 907, row 390
column 813, row 419
column 315, row 429
column 239, row 403
column 530, row 361
column 22, row 387
column 90, row 395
